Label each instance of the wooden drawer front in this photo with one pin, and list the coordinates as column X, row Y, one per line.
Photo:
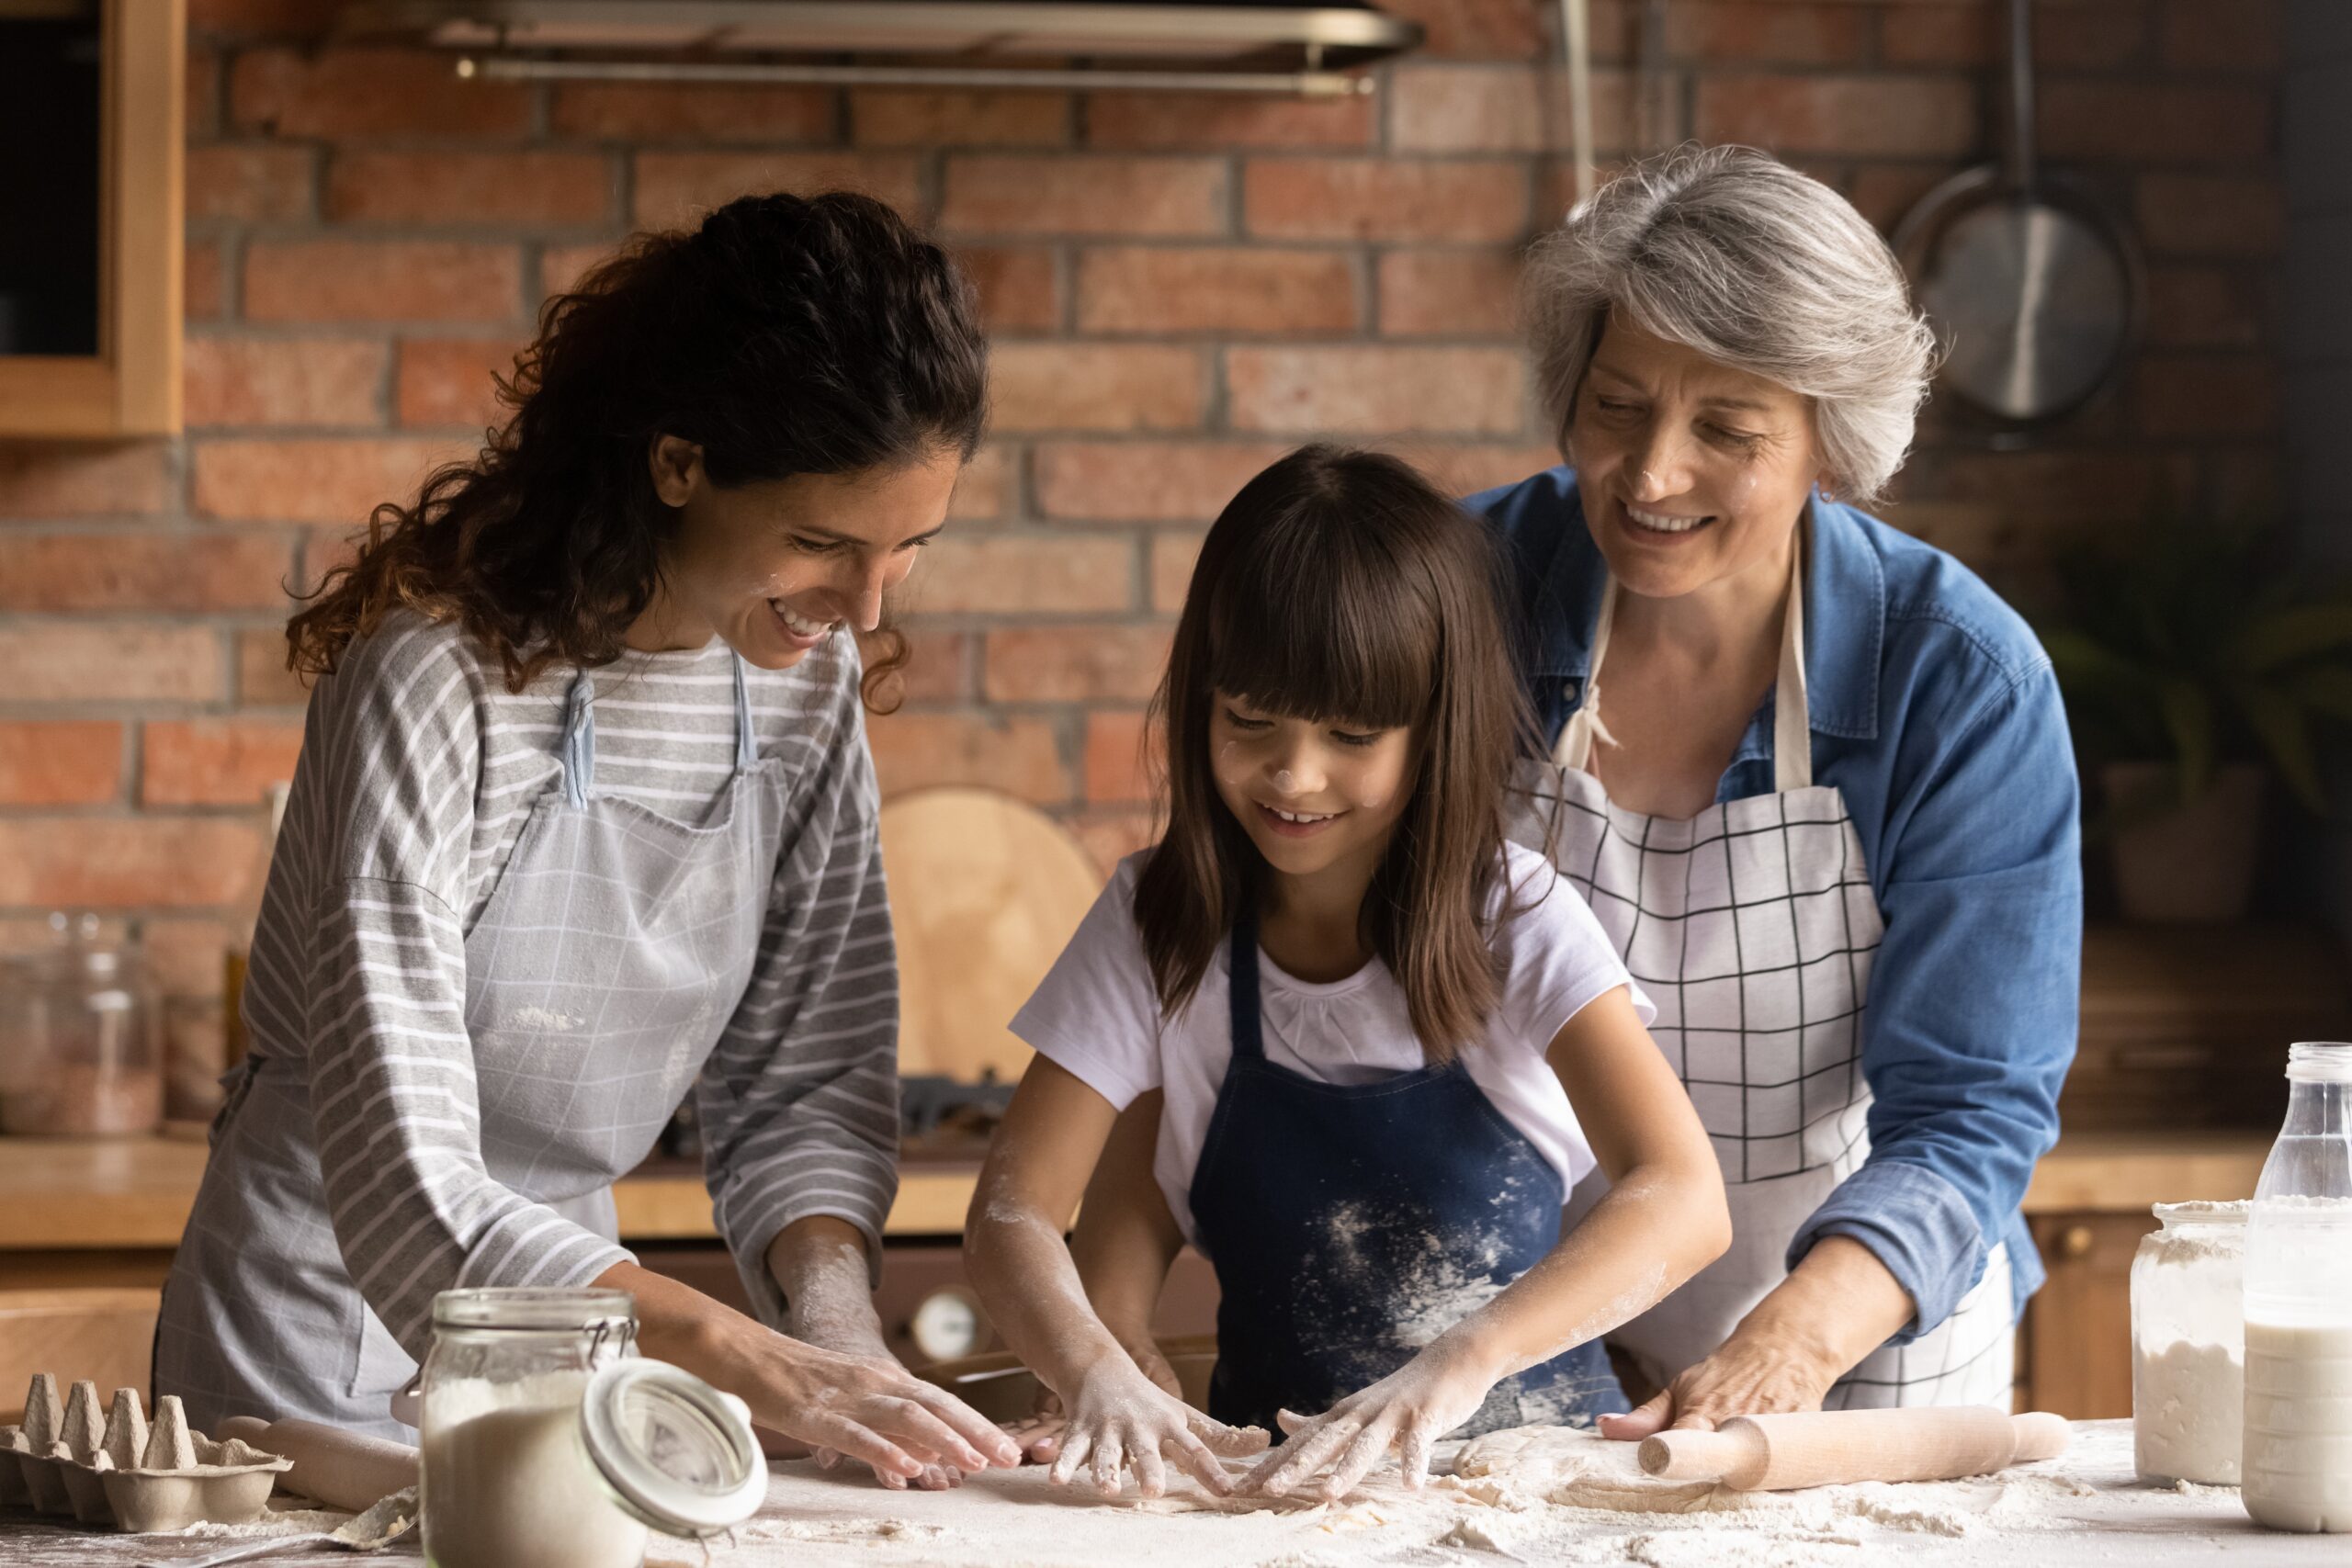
column 2078, row 1326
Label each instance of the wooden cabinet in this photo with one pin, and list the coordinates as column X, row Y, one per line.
column 2075, row 1354
column 92, row 113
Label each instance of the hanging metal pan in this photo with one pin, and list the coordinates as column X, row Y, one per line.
column 2033, row 286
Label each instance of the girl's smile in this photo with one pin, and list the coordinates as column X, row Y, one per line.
column 1311, row 792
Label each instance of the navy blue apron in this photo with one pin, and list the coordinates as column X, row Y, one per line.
column 1351, row 1223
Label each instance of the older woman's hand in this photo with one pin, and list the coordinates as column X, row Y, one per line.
column 1836, row 1306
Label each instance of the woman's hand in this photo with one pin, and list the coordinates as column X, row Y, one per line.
column 1120, row 1418
column 1755, row 1372
column 862, row 1406
column 1409, row 1410
column 1039, row 1433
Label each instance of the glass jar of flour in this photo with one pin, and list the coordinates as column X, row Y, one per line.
column 547, row 1443
column 2189, row 1344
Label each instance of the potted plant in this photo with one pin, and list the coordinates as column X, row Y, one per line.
column 2197, row 661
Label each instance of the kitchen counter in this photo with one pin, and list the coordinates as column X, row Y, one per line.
column 134, row 1194
column 2082, row 1507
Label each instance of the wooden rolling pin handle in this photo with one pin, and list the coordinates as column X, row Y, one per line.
column 344, row 1470
column 1720, row 1455
column 2039, row 1435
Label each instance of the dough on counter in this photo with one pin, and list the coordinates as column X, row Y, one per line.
column 1579, row 1468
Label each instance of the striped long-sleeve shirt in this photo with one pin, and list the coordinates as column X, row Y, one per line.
column 418, row 773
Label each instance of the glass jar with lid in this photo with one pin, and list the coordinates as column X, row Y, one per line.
column 547, row 1443
column 2189, row 1344
column 86, row 1039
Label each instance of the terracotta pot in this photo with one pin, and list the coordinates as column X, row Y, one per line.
column 2186, row 865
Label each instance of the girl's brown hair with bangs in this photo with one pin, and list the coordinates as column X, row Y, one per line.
column 1341, row 586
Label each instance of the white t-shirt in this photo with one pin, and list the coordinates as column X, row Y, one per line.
column 1097, row 1015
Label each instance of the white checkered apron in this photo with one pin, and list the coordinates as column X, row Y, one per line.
column 1753, row 926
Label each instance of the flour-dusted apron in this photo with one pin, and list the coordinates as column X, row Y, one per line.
column 1752, row 926
column 598, row 977
column 1353, row 1223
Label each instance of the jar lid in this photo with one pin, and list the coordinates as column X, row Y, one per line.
column 678, row 1454
column 539, row 1309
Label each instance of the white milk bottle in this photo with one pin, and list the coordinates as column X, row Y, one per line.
column 2297, row 1464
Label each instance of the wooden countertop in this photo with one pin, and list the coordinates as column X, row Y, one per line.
column 135, row 1192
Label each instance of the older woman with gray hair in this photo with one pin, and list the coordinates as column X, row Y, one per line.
column 1811, row 774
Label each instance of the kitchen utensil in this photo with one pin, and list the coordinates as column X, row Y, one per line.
column 342, row 1469
column 2032, row 287
column 1828, row 1447
column 380, row 1526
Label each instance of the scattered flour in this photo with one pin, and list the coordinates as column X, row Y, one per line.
column 764, row 1530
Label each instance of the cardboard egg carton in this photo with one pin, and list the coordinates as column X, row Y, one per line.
column 122, row 1472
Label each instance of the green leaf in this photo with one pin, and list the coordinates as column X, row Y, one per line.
column 2284, row 636
column 2280, row 726
column 2188, row 717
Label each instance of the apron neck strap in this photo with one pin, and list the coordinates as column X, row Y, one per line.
column 578, row 747
column 747, row 749
column 1792, row 718
column 1242, row 971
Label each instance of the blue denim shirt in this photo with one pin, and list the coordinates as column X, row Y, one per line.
column 1936, row 716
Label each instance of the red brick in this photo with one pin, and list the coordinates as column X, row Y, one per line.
column 942, row 117
column 337, row 482
column 1939, row 35
column 2211, row 215
column 249, row 182
column 203, row 93
column 980, row 489
column 1111, row 836
column 90, row 662
column 1461, row 468
column 1118, row 766
column 1056, row 386
column 2147, row 122
column 1215, row 289
column 1073, row 664
column 1018, row 756
column 389, row 280
column 1017, row 289
column 1500, row 109
column 200, row 284
column 701, row 113
column 2200, row 36
column 243, row 381
column 1172, row 122
column 1882, row 193
column 62, row 764
column 369, row 92
column 142, row 572
column 1144, row 481
column 2204, row 396
column 1082, row 194
column 451, row 380
column 1743, row 31
column 1493, row 30
column 1372, row 198
column 938, row 667
column 78, row 479
column 261, row 677
column 2038, row 485
column 1036, row 576
column 2079, row 37
column 216, row 761
column 2206, row 306
column 507, row 189
column 1360, row 391
column 1449, row 293
column 98, row 863
column 561, row 267
column 186, row 954
column 302, row 17
column 1906, row 116
column 675, row 190
column 1172, row 558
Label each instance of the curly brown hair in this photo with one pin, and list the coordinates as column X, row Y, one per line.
column 785, row 335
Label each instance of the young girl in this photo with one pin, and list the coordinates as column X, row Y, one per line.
column 1386, row 1042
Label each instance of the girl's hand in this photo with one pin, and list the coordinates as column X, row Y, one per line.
column 1039, row 1433
column 1409, row 1410
column 1755, row 1372
column 1119, row 1418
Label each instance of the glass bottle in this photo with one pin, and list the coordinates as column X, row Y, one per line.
column 2297, row 1465
column 91, row 1052
column 2189, row 1344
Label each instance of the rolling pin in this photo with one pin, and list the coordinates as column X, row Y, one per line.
column 344, row 1470
column 1827, row 1447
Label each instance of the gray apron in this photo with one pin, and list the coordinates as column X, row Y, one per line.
column 1753, row 928
column 598, row 978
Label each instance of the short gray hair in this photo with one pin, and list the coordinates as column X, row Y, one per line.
column 1732, row 252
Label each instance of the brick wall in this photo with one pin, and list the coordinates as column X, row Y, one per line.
column 1179, row 288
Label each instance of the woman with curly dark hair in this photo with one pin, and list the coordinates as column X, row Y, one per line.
column 584, row 819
